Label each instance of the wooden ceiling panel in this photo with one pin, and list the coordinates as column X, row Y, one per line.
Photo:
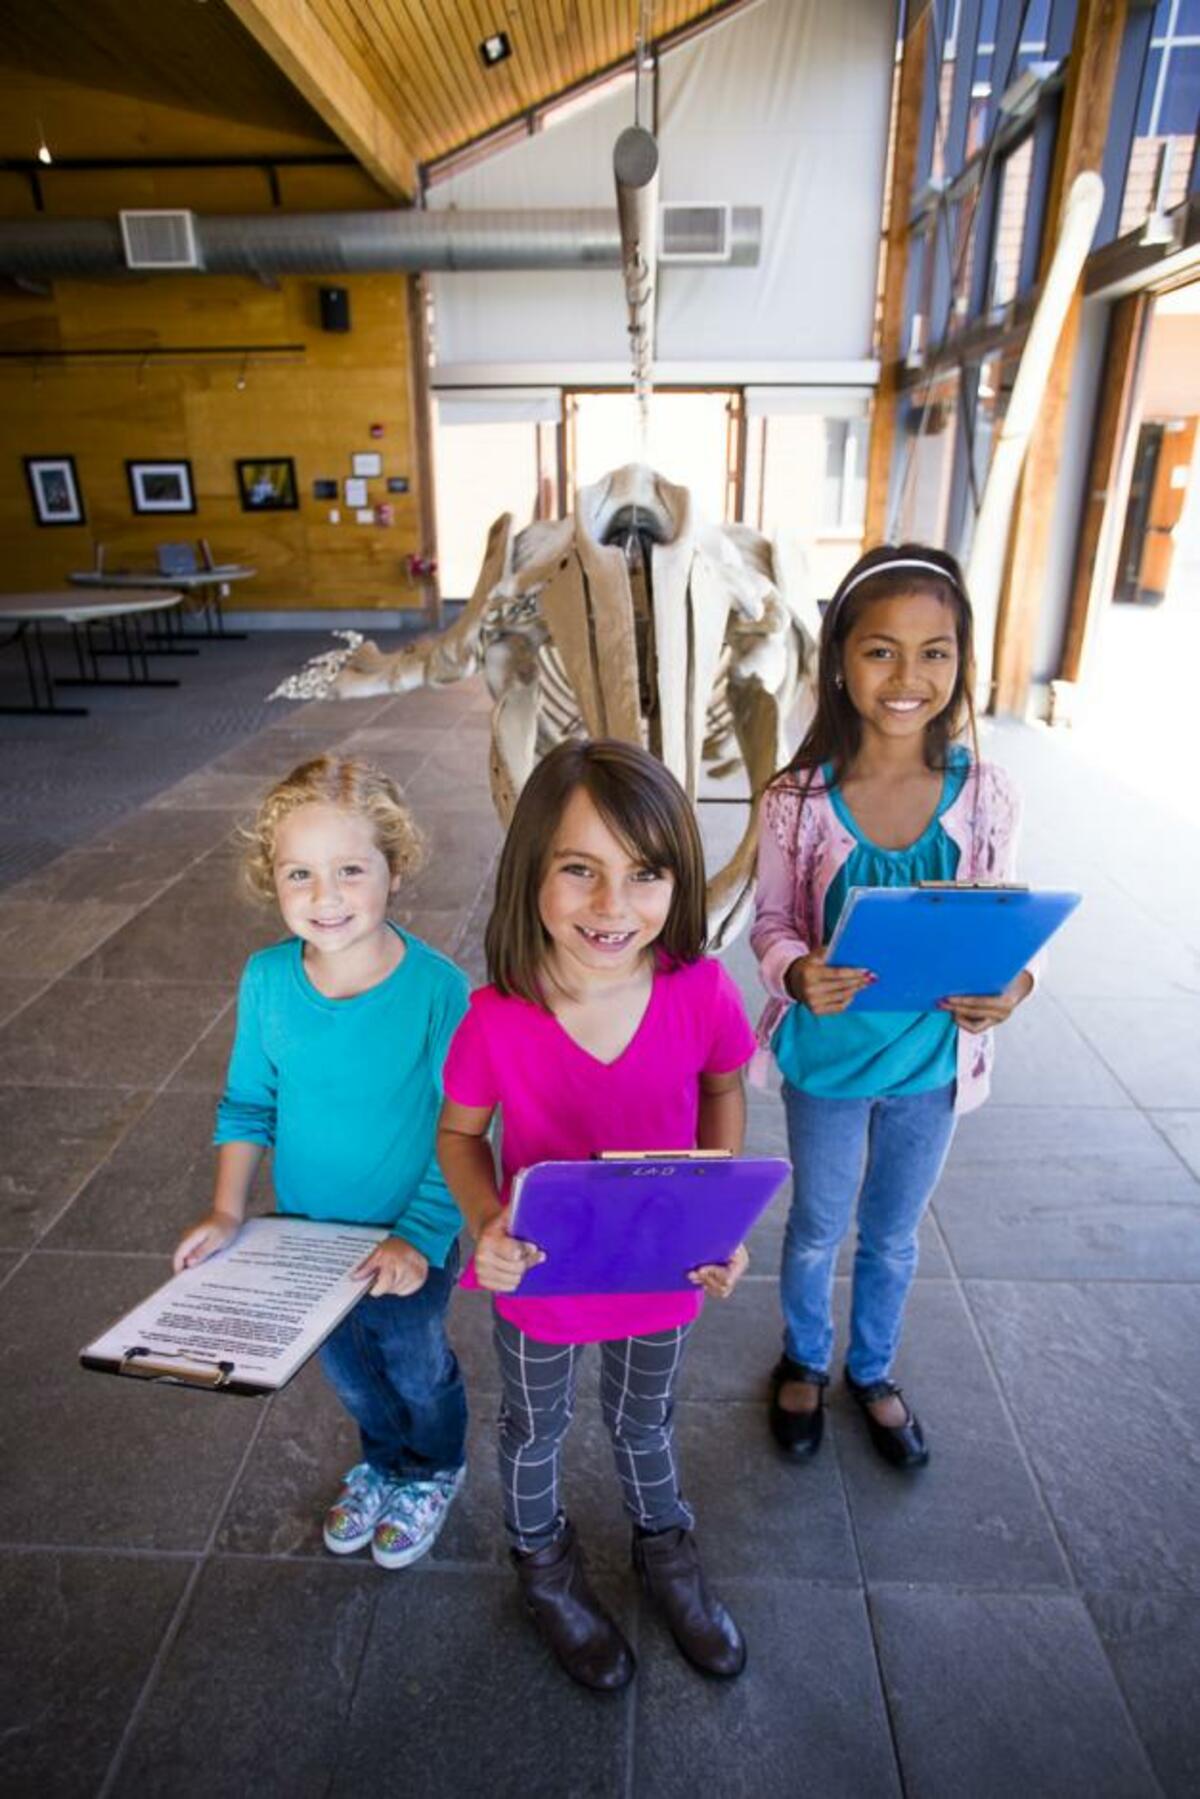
column 420, row 58
column 171, row 53
column 396, row 81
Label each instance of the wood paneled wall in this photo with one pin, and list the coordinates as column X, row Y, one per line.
column 317, row 408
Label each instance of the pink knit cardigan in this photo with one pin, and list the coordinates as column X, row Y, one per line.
column 801, row 846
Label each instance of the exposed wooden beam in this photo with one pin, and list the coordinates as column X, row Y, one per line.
column 1109, row 475
column 1087, row 103
column 421, row 416
column 298, row 44
column 891, row 346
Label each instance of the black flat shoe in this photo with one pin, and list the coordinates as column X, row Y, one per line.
column 798, row 1434
column 903, row 1445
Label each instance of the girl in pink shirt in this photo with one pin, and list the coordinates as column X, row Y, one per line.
column 605, row 1028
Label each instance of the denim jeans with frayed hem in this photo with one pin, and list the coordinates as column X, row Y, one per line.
column 887, row 1154
column 391, row 1365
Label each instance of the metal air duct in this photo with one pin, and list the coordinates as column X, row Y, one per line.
column 341, row 243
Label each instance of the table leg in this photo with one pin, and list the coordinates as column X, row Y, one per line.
column 211, row 595
column 35, row 665
column 126, row 634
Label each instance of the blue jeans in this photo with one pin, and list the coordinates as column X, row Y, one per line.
column 392, row 1367
column 887, row 1154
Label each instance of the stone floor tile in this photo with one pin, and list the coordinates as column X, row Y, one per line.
column 183, row 835
column 388, row 750
column 469, row 1327
column 211, row 790
column 1104, row 1384
column 8, row 1261
column 1042, row 1059
column 273, row 754
column 1055, row 1141
column 204, row 1070
column 1065, row 1228
column 1063, row 1194
column 441, row 929
column 48, row 937
column 307, row 1442
column 201, row 929
column 85, row 1033
column 442, row 787
column 1113, row 948
column 1152, row 1046
column 806, row 1717
column 50, row 1149
column 95, row 1622
column 515, row 1724
column 735, row 1344
column 121, row 878
column 96, row 1461
column 1153, row 1643
column 797, row 1527
column 260, row 1641
column 972, row 1516
column 457, row 867
column 1182, row 1131
column 389, row 732
column 334, row 719
column 157, row 1183
column 993, row 1694
column 16, row 993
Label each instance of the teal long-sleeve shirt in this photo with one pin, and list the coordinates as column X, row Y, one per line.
column 347, row 1091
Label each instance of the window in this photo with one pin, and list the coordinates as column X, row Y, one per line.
column 930, row 426
column 1167, row 115
column 1010, row 226
column 484, row 467
column 686, row 441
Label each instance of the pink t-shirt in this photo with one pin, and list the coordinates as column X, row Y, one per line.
column 558, row 1103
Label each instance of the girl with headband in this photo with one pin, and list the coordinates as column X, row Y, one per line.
column 883, row 792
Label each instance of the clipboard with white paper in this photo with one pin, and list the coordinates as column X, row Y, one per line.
column 249, row 1317
column 925, row 943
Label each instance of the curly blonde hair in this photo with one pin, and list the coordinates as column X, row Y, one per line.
column 343, row 781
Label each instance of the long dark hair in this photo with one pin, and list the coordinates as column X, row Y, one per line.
column 643, row 804
column 835, row 734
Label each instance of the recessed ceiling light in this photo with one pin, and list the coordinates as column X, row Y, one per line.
column 495, row 49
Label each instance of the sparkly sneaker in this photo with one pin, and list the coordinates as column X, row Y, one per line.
column 412, row 1517
column 351, row 1519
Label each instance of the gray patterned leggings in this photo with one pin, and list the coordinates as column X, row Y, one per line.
column 637, row 1400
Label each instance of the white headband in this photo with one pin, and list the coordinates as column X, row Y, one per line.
column 885, row 568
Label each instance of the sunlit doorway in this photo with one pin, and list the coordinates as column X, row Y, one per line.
column 1137, row 704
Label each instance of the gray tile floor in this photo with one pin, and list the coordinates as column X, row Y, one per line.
column 1022, row 1617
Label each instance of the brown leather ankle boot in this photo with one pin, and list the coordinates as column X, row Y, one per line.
column 569, row 1616
column 703, row 1630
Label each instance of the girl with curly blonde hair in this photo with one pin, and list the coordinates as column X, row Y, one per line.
column 342, row 1029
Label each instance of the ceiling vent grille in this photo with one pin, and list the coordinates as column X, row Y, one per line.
column 159, row 240
column 694, row 233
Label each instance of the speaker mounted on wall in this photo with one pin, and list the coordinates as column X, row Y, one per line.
column 335, row 308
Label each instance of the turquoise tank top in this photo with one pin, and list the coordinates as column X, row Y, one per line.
column 871, row 1055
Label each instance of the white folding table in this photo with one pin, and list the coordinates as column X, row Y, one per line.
column 122, row 614
column 205, row 585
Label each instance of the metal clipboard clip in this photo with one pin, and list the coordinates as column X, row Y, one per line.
column 150, row 1364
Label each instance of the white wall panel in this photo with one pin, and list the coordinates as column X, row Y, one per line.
column 785, row 107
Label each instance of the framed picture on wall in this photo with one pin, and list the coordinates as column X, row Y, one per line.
column 161, row 486
column 55, row 489
column 267, row 484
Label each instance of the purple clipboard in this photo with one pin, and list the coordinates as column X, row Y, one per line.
column 637, row 1226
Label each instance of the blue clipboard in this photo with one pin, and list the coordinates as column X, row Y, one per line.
column 637, row 1224
column 925, row 943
